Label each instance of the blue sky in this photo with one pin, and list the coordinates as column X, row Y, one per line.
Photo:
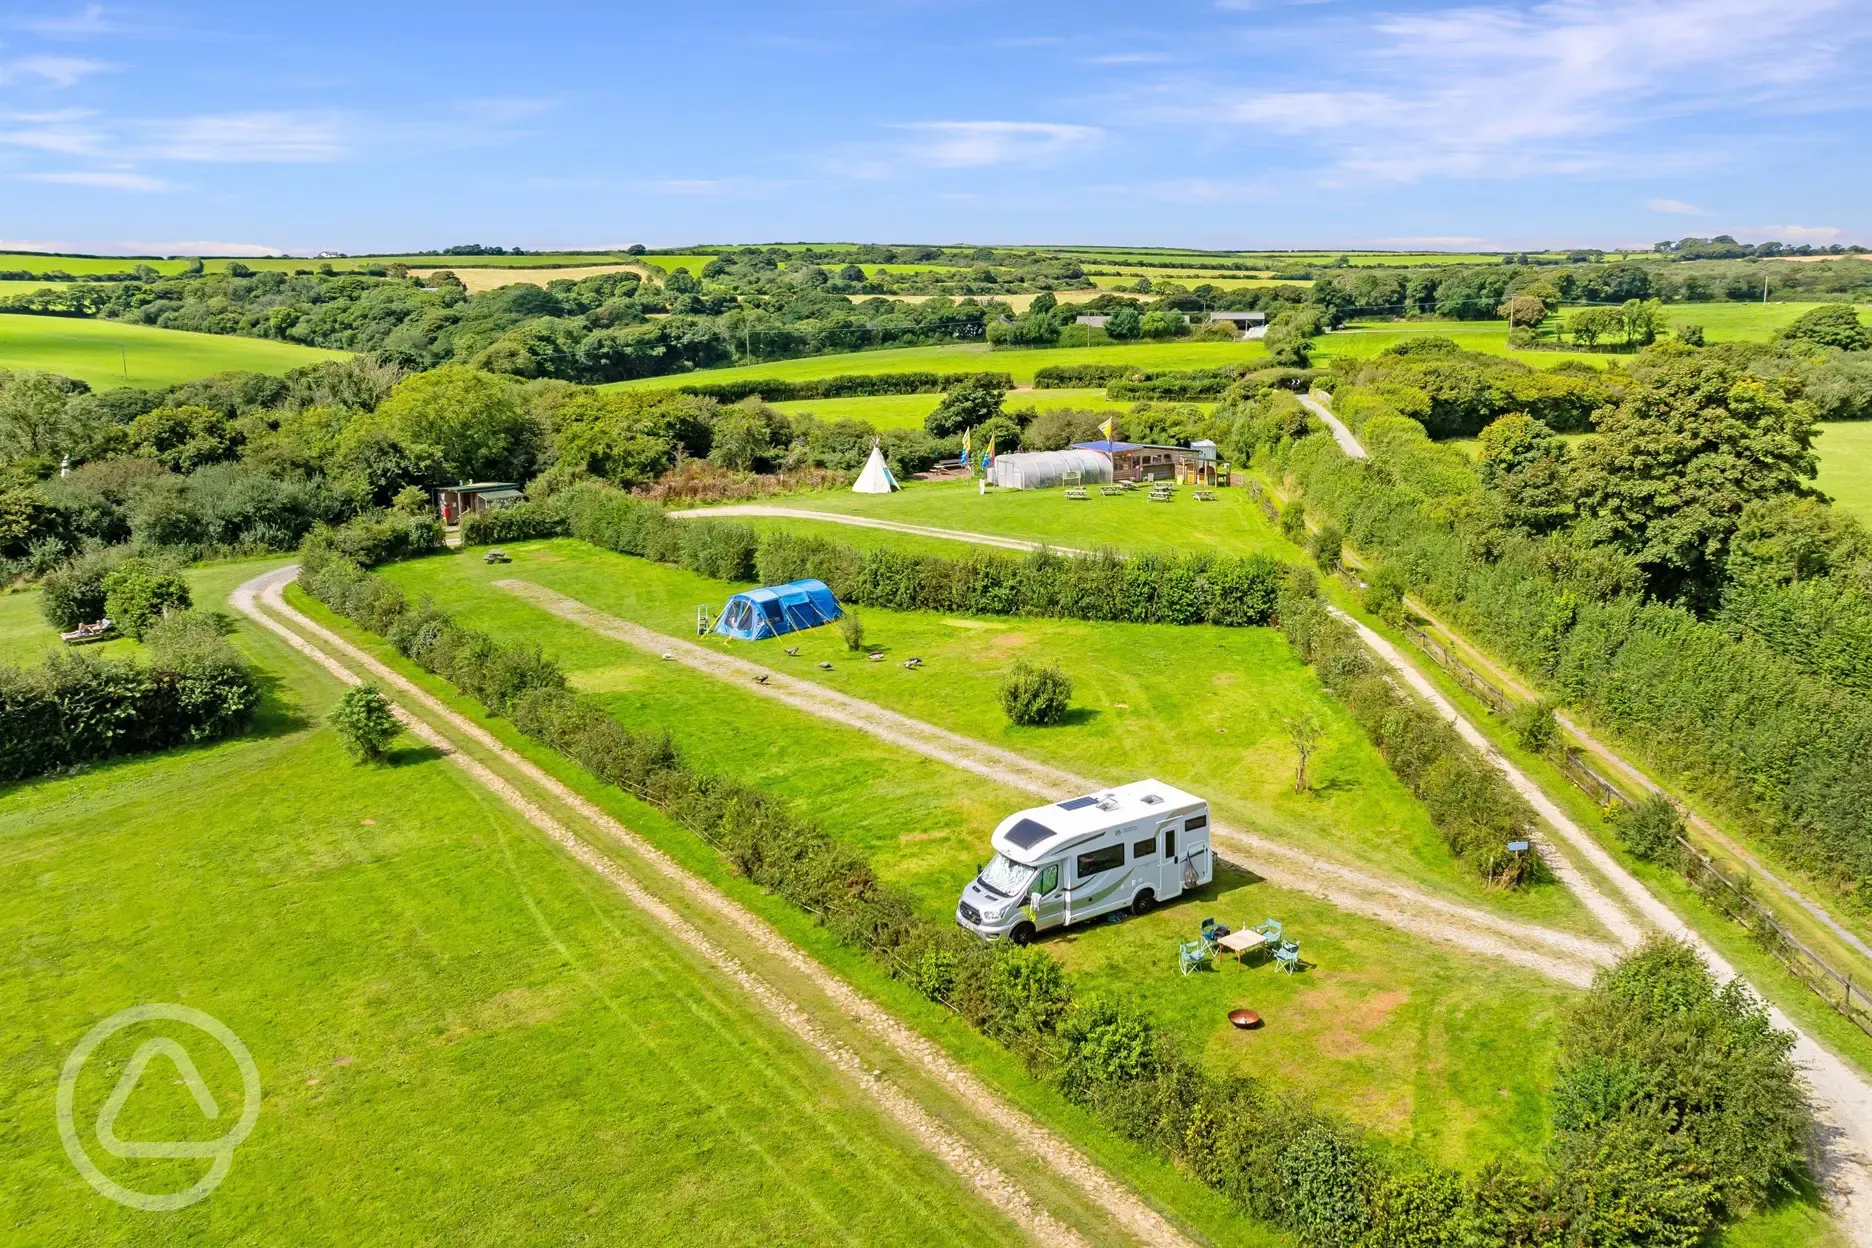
column 1227, row 123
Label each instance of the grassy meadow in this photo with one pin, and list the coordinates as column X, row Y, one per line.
column 1350, row 1032
column 1021, row 363
column 462, row 1034
column 903, row 411
column 1845, row 451
column 108, row 354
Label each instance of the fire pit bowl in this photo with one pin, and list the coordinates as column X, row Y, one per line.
column 1244, row 1020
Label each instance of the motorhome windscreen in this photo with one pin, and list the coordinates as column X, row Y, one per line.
column 1006, row 877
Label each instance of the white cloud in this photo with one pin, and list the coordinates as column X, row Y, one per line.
column 197, row 248
column 87, row 23
column 71, row 132
column 1677, row 207
column 259, row 138
column 51, row 71
column 1525, row 88
column 1129, row 58
column 971, row 144
column 1799, row 233
column 103, row 179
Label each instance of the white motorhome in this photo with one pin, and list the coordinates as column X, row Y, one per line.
column 1132, row 846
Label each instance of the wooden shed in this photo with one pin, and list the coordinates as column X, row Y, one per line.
column 456, row 501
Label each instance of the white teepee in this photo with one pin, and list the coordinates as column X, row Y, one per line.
column 876, row 477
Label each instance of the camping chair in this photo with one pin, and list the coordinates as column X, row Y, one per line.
column 1287, row 957
column 1193, row 955
column 1270, row 931
column 1213, row 931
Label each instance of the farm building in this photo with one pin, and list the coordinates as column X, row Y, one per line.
column 1138, row 461
column 1241, row 320
column 456, row 501
column 1096, row 322
column 778, row 609
column 1041, row 470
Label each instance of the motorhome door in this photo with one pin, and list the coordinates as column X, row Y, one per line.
column 1046, row 898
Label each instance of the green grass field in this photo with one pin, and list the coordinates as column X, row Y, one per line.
column 1845, row 451
column 9, row 289
column 108, row 354
column 1350, row 1033
column 969, row 357
column 904, row 411
column 1741, row 322
column 462, row 1034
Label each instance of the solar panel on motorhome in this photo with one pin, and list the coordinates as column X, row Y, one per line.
column 1077, row 803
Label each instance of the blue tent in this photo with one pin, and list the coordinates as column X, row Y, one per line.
column 778, row 609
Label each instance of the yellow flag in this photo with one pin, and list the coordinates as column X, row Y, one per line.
column 1109, row 428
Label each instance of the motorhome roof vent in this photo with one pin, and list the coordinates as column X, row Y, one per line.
column 1153, row 799
column 1026, row 834
column 1108, row 801
column 1078, row 803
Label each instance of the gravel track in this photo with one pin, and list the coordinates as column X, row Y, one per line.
column 1567, row 957
column 1126, row 1209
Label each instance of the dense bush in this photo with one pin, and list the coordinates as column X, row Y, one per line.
column 73, row 593
column 77, row 708
column 1651, row 829
column 1677, row 1104
column 378, row 537
column 1035, row 694
column 365, row 723
column 140, row 592
column 515, row 523
column 1079, row 376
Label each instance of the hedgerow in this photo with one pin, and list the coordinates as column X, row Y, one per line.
column 1272, row 1155
column 78, row 708
column 845, row 385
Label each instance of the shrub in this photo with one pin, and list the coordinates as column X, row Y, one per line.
column 1534, row 726
column 375, row 537
column 139, row 592
column 1676, row 1103
column 1327, row 546
column 851, row 628
column 516, row 523
column 1035, row 694
column 1650, row 828
column 365, row 723
column 1384, row 594
column 73, row 593
column 1293, row 521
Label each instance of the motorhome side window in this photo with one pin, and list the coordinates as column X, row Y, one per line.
column 1090, row 864
column 1169, row 840
column 1144, row 849
column 1195, row 821
column 1049, row 879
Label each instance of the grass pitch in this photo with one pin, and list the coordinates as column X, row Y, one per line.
column 108, row 354
column 462, row 1035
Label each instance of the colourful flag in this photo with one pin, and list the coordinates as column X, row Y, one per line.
column 989, row 461
column 1109, row 429
column 968, row 450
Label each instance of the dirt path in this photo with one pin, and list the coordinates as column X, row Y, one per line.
column 1126, row 1209
column 1342, row 435
column 1564, row 956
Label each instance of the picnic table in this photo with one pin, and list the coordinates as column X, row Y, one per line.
column 1242, row 943
column 1205, row 496
column 1077, row 491
column 1109, row 490
column 1160, row 494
